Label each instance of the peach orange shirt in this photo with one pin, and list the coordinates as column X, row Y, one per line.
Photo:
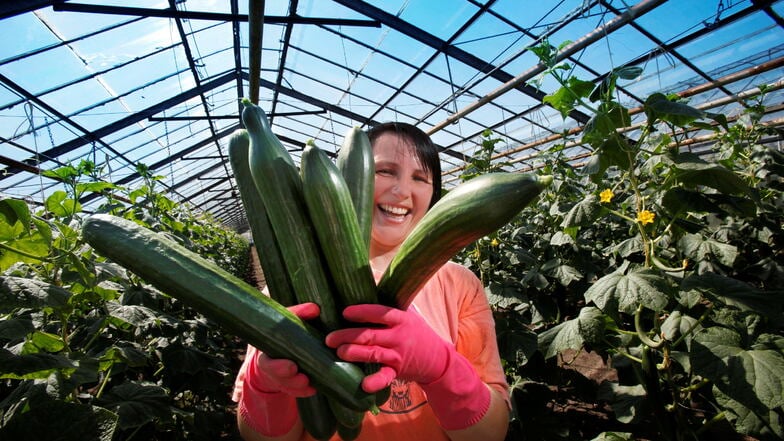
column 453, row 302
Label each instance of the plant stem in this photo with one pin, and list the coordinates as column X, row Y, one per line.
column 23, row 253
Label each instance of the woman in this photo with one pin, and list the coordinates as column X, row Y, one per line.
column 440, row 356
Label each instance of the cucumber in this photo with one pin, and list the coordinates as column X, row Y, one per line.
column 264, row 240
column 280, row 188
column 227, row 300
column 317, row 417
column 468, row 212
column 332, row 214
column 314, row 411
column 356, row 164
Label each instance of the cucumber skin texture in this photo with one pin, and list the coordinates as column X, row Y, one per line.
column 269, row 252
column 356, row 164
column 317, row 417
column 280, row 187
column 230, row 302
column 471, row 210
column 314, row 412
column 332, row 214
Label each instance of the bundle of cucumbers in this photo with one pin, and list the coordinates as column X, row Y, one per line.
column 311, row 227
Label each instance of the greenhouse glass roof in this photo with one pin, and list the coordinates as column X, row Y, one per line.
column 159, row 83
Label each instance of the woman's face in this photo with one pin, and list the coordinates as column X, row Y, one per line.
column 403, row 189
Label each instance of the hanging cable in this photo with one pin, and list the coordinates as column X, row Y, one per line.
column 29, row 114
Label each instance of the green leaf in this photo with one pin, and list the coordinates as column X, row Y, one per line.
column 574, row 333
column 19, row 292
column 583, row 212
column 136, row 404
column 32, row 366
column 734, row 292
column 64, row 173
column 560, row 238
column 752, row 381
column 566, row 98
column 763, row 425
column 625, row 292
column 626, row 247
column 627, row 402
column 43, row 341
column 711, row 348
column 60, row 205
column 60, row 420
column 13, row 211
column 658, row 107
column 691, row 170
column 15, row 328
column 628, row 72
column 677, row 324
column 699, row 248
column 95, row 187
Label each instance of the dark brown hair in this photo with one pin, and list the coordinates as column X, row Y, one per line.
column 426, row 151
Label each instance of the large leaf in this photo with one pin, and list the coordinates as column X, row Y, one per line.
column 136, row 404
column 627, row 402
column 14, row 218
column 678, row 324
column 32, row 366
column 61, row 420
column 584, row 212
column 659, row 107
column 19, row 292
column 626, row 291
column 692, row 170
column 752, row 378
column 759, row 424
column 734, row 292
column 699, row 247
column 565, row 274
column 574, row 333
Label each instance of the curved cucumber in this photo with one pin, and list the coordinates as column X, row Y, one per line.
column 233, row 304
column 468, row 212
column 280, row 188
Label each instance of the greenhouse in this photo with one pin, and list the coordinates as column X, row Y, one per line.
column 608, row 173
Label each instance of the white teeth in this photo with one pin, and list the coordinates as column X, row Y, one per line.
column 394, row 210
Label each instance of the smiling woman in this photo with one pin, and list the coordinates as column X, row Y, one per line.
column 440, row 354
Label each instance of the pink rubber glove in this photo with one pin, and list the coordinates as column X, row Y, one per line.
column 270, row 388
column 410, row 350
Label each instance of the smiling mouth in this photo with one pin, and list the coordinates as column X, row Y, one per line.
column 393, row 211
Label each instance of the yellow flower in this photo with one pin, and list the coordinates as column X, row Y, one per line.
column 645, row 217
column 606, row 195
column 494, row 243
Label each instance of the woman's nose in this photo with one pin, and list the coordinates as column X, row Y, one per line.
column 401, row 187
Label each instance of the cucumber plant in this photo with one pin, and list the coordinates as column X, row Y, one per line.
column 666, row 262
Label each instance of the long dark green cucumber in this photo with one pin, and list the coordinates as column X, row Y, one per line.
column 314, row 411
column 267, row 247
column 230, row 302
column 332, row 214
column 280, row 187
column 468, row 212
column 330, row 204
column 356, row 164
